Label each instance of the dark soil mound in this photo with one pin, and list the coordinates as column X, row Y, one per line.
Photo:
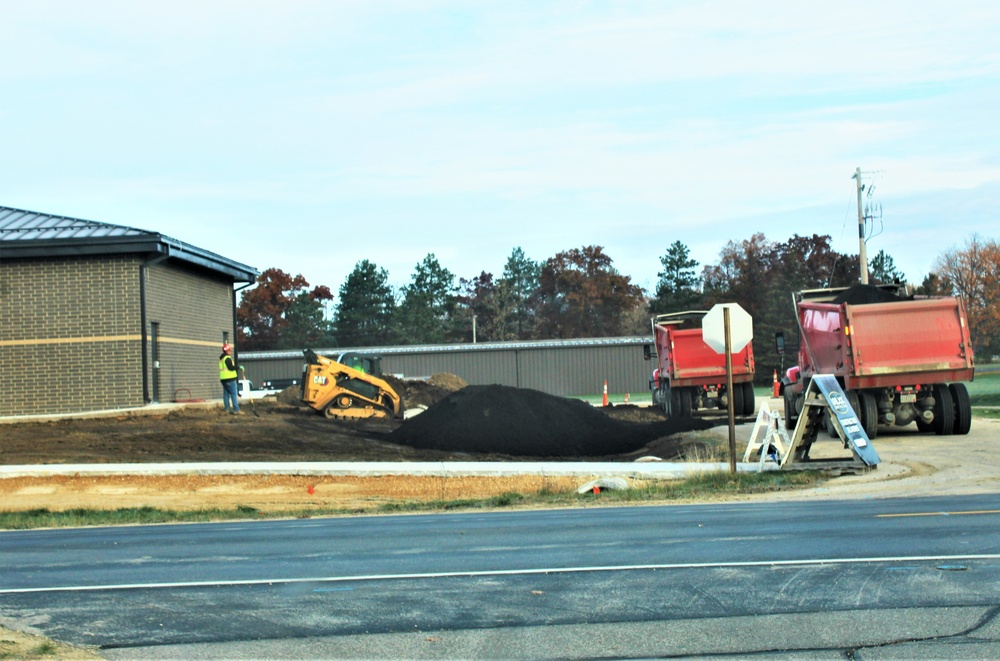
column 864, row 294
column 424, row 392
column 522, row 422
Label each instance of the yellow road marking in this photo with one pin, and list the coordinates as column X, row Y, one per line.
column 889, row 516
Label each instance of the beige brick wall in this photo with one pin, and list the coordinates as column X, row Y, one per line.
column 193, row 310
column 71, row 333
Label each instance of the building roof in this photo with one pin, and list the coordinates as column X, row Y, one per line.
column 33, row 234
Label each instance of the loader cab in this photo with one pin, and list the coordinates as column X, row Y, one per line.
column 363, row 363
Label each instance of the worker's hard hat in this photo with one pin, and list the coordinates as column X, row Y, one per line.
column 226, row 348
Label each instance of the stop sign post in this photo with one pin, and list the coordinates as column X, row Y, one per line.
column 727, row 328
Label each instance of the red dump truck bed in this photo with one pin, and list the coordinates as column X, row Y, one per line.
column 686, row 360
column 886, row 344
column 691, row 376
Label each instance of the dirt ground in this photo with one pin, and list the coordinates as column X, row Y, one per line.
column 519, row 425
column 493, row 423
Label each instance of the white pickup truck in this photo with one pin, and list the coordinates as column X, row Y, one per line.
column 247, row 390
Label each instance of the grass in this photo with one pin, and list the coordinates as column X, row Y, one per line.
column 710, row 485
column 985, row 390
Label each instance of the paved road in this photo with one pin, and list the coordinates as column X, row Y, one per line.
column 884, row 578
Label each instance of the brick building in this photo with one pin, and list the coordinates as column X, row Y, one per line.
column 96, row 316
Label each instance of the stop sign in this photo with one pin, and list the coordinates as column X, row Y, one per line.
column 713, row 328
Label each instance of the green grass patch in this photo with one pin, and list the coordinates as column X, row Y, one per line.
column 985, row 390
column 706, row 486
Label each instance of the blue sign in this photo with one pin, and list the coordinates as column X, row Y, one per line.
column 841, row 409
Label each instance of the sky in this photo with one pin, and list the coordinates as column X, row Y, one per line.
column 310, row 135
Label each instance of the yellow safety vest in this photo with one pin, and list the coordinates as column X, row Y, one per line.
column 226, row 374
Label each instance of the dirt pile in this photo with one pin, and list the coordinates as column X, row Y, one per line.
column 425, row 392
column 523, row 422
column 865, row 294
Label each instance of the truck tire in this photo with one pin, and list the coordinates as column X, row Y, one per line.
column 854, row 399
column 944, row 410
column 737, row 396
column 869, row 414
column 749, row 399
column 963, row 408
column 684, row 404
column 791, row 415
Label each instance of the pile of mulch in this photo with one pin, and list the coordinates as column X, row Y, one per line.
column 524, row 422
column 865, row 294
column 424, row 392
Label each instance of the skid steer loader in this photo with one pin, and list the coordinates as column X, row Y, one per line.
column 349, row 387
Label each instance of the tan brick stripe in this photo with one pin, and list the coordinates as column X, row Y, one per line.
column 102, row 338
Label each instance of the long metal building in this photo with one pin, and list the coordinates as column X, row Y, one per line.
column 557, row 367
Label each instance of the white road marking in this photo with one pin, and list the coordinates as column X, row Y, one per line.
column 502, row 572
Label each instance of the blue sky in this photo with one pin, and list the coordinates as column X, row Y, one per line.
column 310, row 135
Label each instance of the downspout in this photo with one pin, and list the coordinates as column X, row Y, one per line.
column 142, row 320
column 236, row 347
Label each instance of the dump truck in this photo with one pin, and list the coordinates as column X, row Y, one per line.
column 350, row 387
column 899, row 358
column 690, row 376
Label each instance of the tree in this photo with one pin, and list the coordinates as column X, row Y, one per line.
column 425, row 315
column 305, row 323
column 365, row 308
column 677, row 289
column 478, row 305
column 261, row 316
column 974, row 272
column 742, row 275
column 935, row 285
column 882, row 270
column 762, row 275
column 581, row 295
column 516, row 290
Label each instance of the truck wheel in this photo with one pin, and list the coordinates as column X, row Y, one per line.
column 737, row 396
column 684, row 406
column 944, row 410
column 791, row 415
column 749, row 399
column 828, row 424
column 869, row 414
column 855, row 401
column 963, row 408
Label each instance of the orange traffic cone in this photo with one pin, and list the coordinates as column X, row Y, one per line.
column 776, row 386
column 604, row 402
column 626, row 398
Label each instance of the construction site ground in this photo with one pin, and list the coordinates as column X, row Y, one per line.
column 281, row 430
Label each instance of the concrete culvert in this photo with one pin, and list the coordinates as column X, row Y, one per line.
column 522, row 422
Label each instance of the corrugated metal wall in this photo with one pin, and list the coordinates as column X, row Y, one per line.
column 563, row 367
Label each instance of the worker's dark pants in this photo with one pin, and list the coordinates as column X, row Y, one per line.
column 230, row 395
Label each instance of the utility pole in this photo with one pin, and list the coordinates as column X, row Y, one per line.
column 862, row 253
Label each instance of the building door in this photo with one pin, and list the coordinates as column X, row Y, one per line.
column 154, row 336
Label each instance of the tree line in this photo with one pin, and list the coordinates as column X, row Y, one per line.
column 578, row 293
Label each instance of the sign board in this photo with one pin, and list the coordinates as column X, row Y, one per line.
column 853, row 433
column 713, row 329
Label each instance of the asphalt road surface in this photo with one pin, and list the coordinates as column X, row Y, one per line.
column 875, row 579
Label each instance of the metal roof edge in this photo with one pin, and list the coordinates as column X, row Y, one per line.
column 138, row 241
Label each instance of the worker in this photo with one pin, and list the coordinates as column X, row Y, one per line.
column 229, row 377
